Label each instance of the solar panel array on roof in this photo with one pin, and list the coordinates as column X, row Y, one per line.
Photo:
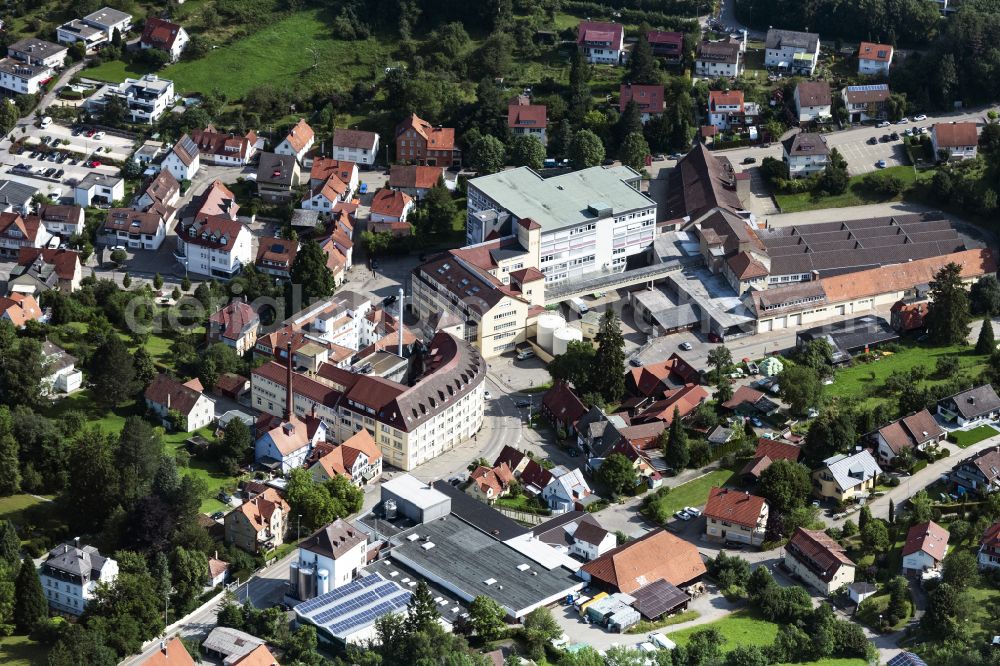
column 906, row 659
column 356, row 605
column 869, row 88
column 657, row 598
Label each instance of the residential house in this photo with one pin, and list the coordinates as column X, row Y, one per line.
column 286, row 446
column 989, row 548
column 567, row 490
column 171, row 653
column 277, row 177
column 224, row 149
column 747, row 401
column 59, row 370
column 979, row 474
column 183, row 160
column 99, row 188
column 218, row 571
column 334, row 555
column 414, row 180
column 874, row 58
column 819, row 561
column 958, row 140
column 62, row 221
column 95, row 29
column 601, row 43
column 22, row 78
column 866, row 102
column 70, row 575
column 908, row 314
column 299, row 141
column 925, row 548
column 844, row 478
column 275, row 256
column 805, row 154
column 134, row 229
column 35, row 51
column 258, row 525
column 590, row 541
column 914, row 432
column 389, row 210
column 768, row 452
column 649, row 99
column 18, row 232
column 718, row 59
column 735, row 516
column 667, row 45
column 331, row 182
column 147, row 153
column 577, row 533
column 419, row 142
column 358, row 458
column 235, row 325
column 487, row 484
column 723, row 107
column 39, row 270
column 682, row 400
column 796, row 52
column 656, row 379
column 562, row 408
column 19, row 309
column 970, row 407
column 227, row 645
column 164, row 35
column 813, row 101
column 528, row 119
column 145, row 99
column 657, row 555
column 355, row 146
column 214, row 242
column 16, row 197
column 166, row 395
column 160, row 196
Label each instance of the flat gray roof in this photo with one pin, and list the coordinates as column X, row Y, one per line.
column 413, row 490
column 562, row 201
column 470, row 563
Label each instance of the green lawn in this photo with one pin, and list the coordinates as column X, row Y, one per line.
column 740, row 628
column 13, row 506
column 856, row 381
column 214, row 478
column 856, row 195
column 645, row 627
column 693, row 493
column 21, row 651
column 297, row 51
column 966, row 438
column 115, row 71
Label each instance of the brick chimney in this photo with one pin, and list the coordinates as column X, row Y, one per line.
column 289, row 398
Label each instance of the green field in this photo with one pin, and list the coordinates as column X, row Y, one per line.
column 966, row 438
column 740, row 628
column 857, row 380
column 297, row 51
column 13, row 506
column 856, row 194
column 20, row 651
column 693, row 493
column 208, row 471
column 115, row 71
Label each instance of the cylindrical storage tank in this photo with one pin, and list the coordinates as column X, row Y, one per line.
column 390, row 509
column 548, row 324
column 322, row 582
column 306, row 584
column 293, row 579
column 562, row 338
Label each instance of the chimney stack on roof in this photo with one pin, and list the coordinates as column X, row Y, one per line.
column 289, row 398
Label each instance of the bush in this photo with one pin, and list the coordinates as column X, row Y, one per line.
column 917, row 466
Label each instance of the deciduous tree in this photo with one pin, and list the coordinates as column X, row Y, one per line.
column 785, row 485
column 310, row 272
column 585, row 150
column 487, row 618
column 617, row 473
column 526, row 150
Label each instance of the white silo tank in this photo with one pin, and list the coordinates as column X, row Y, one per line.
column 322, row 582
column 562, row 338
column 293, row 579
column 548, row 324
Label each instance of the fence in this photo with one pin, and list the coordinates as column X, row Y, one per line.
column 522, row 516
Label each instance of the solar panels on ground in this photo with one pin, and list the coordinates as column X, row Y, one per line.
column 906, row 659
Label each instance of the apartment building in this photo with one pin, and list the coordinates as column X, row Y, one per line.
column 601, row 43
column 874, row 59
column 355, row 146
column 22, row 78
column 528, row 119
column 715, row 59
column 38, row 52
column 146, row 98
column 70, row 576
column 791, row 50
column 95, row 28
column 805, row 154
column 735, row 516
column 867, row 102
column 412, row 424
column 959, row 141
column 649, row 99
column 813, row 100
column 419, row 142
column 164, row 35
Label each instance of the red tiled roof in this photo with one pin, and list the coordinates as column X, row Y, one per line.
column 910, row 316
column 277, row 252
column 27, row 227
column 911, row 431
column 746, row 267
column 818, row 551
column 651, row 379
column 734, row 506
column 654, row 556
column 928, row 537
column 300, row 135
column 814, row 93
column 172, row 394
column 214, row 231
column 526, row 275
column 234, row 318
column 132, row 221
column 390, row 203
column 776, row 450
column 437, row 138
column 743, row 394
column 595, row 31
column 347, row 138
column 324, row 167
column 991, row 537
column 20, row 308
column 159, row 34
column 648, row 98
column 661, row 37
column 956, row 135
column 562, row 403
column 526, row 115
column 173, row 653
column 724, row 98
column 65, row 261
column 213, row 142
column 877, row 52
column 684, row 399
column 414, row 176
column 217, row 199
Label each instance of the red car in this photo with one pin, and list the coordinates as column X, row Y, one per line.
column 91, row 132
column 93, row 163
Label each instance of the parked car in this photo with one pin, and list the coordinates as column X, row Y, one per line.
column 749, row 160
column 98, row 136
column 757, row 422
column 881, row 164
column 389, row 300
column 920, row 118
column 682, row 515
column 635, row 362
column 693, row 511
column 884, row 123
column 93, row 164
column 894, row 136
column 91, row 133
column 872, row 141
column 573, row 452
column 884, row 138
column 686, row 346
column 903, row 121
column 521, row 404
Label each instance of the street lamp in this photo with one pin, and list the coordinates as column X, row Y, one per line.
column 298, row 527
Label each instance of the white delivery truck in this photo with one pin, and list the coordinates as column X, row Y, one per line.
column 578, row 306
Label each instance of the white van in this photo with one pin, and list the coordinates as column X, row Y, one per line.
column 579, row 306
column 46, row 121
column 662, row 641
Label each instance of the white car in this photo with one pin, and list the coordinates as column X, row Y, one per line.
column 486, row 395
column 903, row 121
column 682, row 515
column 884, row 123
column 693, row 511
column 920, row 117
column 686, row 346
column 98, row 136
